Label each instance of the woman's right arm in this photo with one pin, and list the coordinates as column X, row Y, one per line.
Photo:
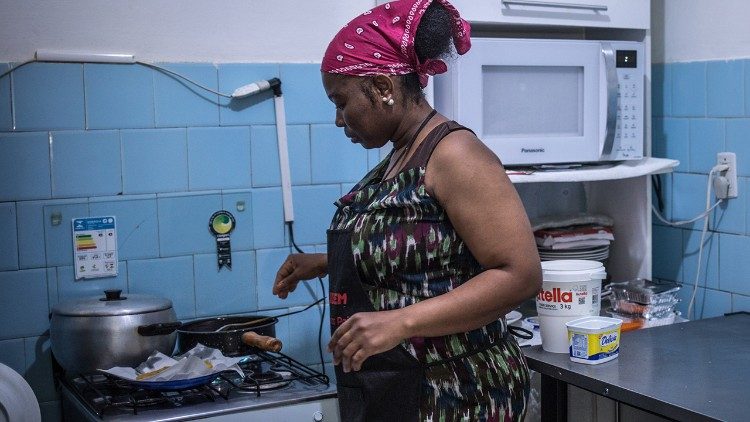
column 299, row 266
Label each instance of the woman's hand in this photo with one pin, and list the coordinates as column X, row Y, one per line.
column 365, row 334
column 298, row 266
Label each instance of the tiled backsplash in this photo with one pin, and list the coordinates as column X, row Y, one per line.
column 161, row 155
column 699, row 109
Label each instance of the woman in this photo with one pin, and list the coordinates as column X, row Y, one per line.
column 430, row 250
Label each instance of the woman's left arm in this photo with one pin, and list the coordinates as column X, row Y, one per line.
column 470, row 183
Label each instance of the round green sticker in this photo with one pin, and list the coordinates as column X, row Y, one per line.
column 221, row 222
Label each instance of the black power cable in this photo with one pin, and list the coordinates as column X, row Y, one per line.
column 323, row 300
column 656, row 184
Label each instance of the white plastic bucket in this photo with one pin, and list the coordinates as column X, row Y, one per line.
column 570, row 290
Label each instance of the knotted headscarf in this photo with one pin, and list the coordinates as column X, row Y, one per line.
column 381, row 41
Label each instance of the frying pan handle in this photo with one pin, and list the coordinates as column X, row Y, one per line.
column 159, row 329
column 265, row 343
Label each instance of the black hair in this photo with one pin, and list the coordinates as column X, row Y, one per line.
column 433, row 40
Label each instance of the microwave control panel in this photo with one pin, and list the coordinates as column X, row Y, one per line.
column 630, row 103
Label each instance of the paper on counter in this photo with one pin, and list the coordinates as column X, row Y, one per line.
column 197, row 362
column 536, row 340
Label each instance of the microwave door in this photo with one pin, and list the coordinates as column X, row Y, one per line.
column 531, row 101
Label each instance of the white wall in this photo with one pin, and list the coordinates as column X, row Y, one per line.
column 296, row 30
column 176, row 30
column 699, row 30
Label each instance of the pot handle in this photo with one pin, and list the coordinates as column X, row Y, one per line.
column 158, row 329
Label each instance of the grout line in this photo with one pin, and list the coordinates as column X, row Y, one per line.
column 51, row 158
column 85, row 98
column 18, row 243
column 11, row 87
column 122, row 161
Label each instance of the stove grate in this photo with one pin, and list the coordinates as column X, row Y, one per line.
column 105, row 395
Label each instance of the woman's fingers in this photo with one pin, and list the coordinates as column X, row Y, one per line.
column 285, row 281
column 358, row 359
column 279, row 283
column 347, row 355
column 284, row 287
column 340, row 338
column 344, row 349
column 295, row 268
column 335, row 336
column 363, row 335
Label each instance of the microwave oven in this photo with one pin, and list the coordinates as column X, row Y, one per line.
column 539, row 101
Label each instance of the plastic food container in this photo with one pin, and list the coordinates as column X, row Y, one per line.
column 644, row 291
column 646, row 323
column 594, row 339
column 660, row 310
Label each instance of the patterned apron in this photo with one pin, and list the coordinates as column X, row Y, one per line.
column 386, row 388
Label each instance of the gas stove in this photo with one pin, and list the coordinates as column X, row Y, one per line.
column 275, row 387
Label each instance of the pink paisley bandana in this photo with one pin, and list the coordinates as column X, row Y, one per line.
column 381, row 41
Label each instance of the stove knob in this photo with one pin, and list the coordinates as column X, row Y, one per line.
column 318, row 416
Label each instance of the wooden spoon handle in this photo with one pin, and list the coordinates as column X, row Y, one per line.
column 265, row 343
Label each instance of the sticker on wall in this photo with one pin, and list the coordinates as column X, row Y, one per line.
column 221, row 224
column 94, row 247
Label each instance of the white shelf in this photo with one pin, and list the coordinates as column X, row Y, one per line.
column 623, row 170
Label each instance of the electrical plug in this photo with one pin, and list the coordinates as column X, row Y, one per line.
column 721, row 187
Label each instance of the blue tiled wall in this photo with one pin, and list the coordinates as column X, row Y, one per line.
column 699, row 109
column 162, row 155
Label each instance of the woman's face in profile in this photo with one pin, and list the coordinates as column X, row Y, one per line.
column 358, row 109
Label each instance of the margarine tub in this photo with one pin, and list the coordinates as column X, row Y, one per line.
column 593, row 339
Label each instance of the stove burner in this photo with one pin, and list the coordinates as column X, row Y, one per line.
column 266, row 376
column 256, row 381
column 262, row 373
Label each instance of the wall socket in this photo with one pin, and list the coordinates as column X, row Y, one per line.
column 730, row 175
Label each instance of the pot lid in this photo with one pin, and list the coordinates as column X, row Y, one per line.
column 112, row 303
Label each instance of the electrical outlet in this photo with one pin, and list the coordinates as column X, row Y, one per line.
column 730, row 159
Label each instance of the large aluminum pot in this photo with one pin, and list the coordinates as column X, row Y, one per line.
column 101, row 332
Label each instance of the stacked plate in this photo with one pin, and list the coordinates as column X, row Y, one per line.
column 17, row 400
column 594, row 253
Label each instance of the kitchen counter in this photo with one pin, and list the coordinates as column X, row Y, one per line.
column 697, row 370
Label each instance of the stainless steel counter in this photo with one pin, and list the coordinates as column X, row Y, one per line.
column 697, row 370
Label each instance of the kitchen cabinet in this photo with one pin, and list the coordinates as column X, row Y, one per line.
column 632, row 14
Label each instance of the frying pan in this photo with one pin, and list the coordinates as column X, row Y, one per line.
column 228, row 341
column 203, row 331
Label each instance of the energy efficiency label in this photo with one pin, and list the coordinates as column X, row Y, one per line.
column 94, row 247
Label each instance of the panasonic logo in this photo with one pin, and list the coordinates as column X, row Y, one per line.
column 531, row 150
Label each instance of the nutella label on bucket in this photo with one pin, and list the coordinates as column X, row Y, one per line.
column 567, row 299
